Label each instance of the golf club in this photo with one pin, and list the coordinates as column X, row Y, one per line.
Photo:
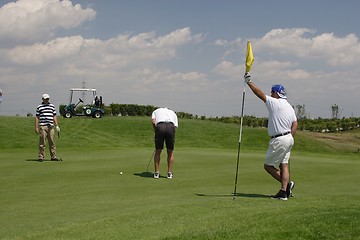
column 58, row 146
column 152, row 156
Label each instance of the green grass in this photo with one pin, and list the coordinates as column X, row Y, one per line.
column 85, row 197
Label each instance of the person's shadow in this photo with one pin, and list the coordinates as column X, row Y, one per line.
column 37, row 160
column 147, row 175
column 144, row 174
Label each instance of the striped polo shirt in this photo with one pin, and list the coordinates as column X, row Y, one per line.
column 46, row 113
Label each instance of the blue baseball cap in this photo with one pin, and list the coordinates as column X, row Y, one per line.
column 280, row 90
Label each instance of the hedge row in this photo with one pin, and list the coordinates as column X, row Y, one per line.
column 314, row 125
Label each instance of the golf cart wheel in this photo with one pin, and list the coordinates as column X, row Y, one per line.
column 68, row 115
column 97, row 114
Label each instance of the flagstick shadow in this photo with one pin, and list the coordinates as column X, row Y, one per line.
column 244, row 195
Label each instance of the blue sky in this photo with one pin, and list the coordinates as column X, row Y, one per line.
column 186, row 55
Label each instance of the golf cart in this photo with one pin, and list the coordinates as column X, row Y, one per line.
column 94, row 109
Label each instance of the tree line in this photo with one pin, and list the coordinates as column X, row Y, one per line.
column 333, row 124
column 304, row 124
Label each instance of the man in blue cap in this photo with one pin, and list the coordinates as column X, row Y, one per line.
column 282, row 126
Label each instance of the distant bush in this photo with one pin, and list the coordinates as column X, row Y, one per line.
column 313, row 125
column 62, row 109
column 131, row 109
column 305, row 124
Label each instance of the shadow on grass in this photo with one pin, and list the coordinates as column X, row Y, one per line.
column 32, row 160
column 147, row 175
column 36, row 160
column 144, row 174
column 245, row 195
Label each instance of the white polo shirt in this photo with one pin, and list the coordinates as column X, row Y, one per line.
column 164, row 115
column 281, row 115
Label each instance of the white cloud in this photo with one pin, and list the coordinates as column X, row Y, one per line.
column 221, row 42
column 228, row 69
column 287, row 41
column 162, row 81
column 178, row 37
column 54, row 50
column 121, row 51
column 297, row 42
column 31, row 20
column 340, row 51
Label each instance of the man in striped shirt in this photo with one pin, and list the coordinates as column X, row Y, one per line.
column 44, row 125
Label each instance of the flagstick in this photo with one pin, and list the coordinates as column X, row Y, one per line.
column 248, row 63
column 239, row 145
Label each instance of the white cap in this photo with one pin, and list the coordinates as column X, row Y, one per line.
column 45, row 96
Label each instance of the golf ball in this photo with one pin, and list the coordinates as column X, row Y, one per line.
column 120, row 173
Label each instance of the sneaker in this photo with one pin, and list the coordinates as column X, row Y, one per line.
column 281, row 195
column 55, row 159
column 289, row 189
column 40, row 159
column 156, row 175
column 169, row 175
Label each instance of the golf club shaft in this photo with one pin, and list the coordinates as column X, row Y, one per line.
column 152, row 156
column 58, row 145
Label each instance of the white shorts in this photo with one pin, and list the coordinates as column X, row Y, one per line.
column 279, row 150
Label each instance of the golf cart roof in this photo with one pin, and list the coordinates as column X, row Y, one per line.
column 83, row 89
column 76, row 91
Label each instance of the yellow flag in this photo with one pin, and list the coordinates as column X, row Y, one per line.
column 249, row 57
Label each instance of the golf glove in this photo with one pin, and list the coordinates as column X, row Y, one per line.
column 57, row 129
column 247, row 77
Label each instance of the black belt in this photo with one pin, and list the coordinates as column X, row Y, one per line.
column 279, row 135
column 165, row 122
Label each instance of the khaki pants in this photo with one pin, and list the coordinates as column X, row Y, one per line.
column 47, row 132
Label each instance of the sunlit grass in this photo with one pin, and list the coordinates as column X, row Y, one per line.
column 86, row 197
